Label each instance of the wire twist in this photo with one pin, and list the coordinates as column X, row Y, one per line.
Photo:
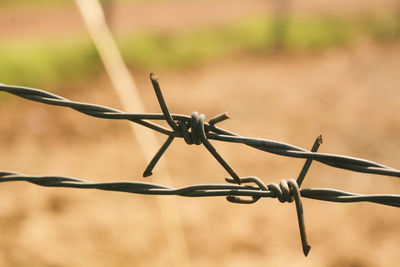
column 286, row 191
column 196, row 136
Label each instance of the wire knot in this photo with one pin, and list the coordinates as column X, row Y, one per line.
column 196, row 125
column 245, row 180
column 286, row 191
column 197, row 135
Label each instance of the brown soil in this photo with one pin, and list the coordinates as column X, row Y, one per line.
column 350, row 96
column 128, row 18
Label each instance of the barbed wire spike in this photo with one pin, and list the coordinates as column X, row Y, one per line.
column 197, row 135
column 286, row 191
column 219, row 118
column 295, row 192
column 157, row 156
column 154, row 81
column 307, row 164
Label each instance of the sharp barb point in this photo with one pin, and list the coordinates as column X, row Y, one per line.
column 157, row 156
column 147, row 174
column 154, row 77
column 219, row 118
column 306, row 250
column 320, row 139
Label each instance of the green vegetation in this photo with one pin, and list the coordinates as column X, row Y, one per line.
column 29, row 3
column 36, row 63
column 257, row 36
column 383, row 28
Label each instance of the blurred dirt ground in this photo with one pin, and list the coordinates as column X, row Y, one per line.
column 351, row 96
column 129, row 17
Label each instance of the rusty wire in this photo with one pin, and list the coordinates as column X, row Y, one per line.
column 195, row 130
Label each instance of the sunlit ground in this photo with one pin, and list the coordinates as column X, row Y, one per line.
column 349, row 94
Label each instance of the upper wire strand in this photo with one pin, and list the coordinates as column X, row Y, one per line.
column 212, row 132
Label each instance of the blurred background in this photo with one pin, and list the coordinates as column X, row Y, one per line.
column 285, row 70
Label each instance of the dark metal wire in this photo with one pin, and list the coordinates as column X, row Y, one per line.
column 257, row 190
column 195, row 130
column 211, row 132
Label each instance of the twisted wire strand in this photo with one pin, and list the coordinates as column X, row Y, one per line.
column 286, row 191
column 182, row 124
column 204, row 190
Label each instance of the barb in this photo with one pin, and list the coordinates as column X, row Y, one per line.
column 195, row 130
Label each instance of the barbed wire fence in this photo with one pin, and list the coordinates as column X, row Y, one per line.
column 195, row 130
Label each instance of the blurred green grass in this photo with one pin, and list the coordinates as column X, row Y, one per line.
column 28, row 3
column 38, row 62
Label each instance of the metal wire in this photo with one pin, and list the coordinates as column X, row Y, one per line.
column 195, row 130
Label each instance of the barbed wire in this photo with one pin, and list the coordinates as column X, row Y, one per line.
column 195, row 130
